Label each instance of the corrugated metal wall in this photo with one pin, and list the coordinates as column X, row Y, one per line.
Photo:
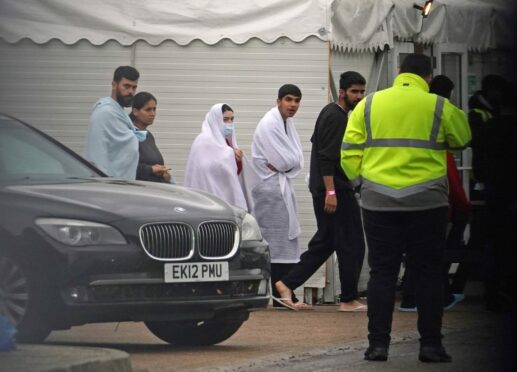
column 53, row 86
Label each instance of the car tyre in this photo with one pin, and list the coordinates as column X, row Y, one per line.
column 23, row 299
column 203, row 333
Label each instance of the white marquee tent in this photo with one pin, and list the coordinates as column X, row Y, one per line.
column 349, row 25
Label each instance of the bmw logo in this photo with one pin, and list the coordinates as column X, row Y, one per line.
column 180, row 209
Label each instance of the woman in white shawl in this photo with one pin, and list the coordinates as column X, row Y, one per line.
column 215, row 162
column 278, row 159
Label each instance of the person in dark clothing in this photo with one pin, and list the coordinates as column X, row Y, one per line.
column 150, row 164
column 501, row 205
column 335, row 206
column 460, row 211
column 483, row 105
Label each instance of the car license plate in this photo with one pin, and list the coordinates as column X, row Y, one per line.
column 196, row 272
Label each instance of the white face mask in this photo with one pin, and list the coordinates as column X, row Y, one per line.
column 227, row 130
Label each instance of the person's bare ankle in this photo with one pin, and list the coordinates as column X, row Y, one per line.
column 283, row 290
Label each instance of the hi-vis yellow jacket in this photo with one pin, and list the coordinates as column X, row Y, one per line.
column 395, row 146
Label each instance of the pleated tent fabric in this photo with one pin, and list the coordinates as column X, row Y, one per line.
column 158, row 20
column 349, row 25
column 372, row 24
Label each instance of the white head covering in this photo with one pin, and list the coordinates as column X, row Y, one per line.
column 211, row 165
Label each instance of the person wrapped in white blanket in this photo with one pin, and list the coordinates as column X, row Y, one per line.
column 216, row 164
column 278, row 159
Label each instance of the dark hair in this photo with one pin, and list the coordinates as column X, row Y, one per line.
column 140, row 100
column 349, row 78
column 127, row 72
column 441, row 85
column 417, row 64
column 493, row 82
column 225, row 108
column 289, row 89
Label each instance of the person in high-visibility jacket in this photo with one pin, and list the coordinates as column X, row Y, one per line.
column 395, row 148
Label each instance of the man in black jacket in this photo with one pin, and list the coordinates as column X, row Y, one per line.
column 483, row 106
column 335, row 206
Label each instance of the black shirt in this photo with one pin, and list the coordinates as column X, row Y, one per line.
column 149, row 156
column 326, row 149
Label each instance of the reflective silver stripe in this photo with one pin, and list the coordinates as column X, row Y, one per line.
column 432, row 143
column 351, row 146
column 405, row 191
column 367, row 118
column 438, row 109
column 396, row 142
column 426, row 195
column 405, row 142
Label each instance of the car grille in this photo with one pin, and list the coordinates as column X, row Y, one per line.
column 216, row 239
column 169, row 241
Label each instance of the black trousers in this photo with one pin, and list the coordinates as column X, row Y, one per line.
column 409, row 290
column 454, row 239
column 340, row 232
column 421, row 236
column 278, row 271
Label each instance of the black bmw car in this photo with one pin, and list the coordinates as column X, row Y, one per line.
column 79, row 247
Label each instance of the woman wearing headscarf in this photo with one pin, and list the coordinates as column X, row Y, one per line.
column 216, row 164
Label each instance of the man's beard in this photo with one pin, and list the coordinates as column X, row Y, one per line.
column 124, row 101
column 350, row 104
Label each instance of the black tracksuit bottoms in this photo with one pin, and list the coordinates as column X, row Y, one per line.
column 340, row 232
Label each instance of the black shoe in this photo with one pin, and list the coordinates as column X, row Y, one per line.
column 434, row 354
column 376, row 353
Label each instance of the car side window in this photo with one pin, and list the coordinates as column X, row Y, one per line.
column 26, row 154
column 23, row 158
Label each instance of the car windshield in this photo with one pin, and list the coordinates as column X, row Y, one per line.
column 26, row 155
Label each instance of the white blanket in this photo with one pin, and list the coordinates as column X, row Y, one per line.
column 211, row 165
column 273, row 145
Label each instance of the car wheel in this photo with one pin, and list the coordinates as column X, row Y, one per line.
column 22, row 299
column 203, row 333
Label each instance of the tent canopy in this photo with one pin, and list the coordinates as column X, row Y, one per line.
column 347, row 24
column 371, row 24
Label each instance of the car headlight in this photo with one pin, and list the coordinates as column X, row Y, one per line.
column 80, row 233
column 250, row 228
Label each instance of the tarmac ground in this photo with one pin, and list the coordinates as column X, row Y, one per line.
column 321, row 339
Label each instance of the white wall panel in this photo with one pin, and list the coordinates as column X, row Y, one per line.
column 54, row 86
